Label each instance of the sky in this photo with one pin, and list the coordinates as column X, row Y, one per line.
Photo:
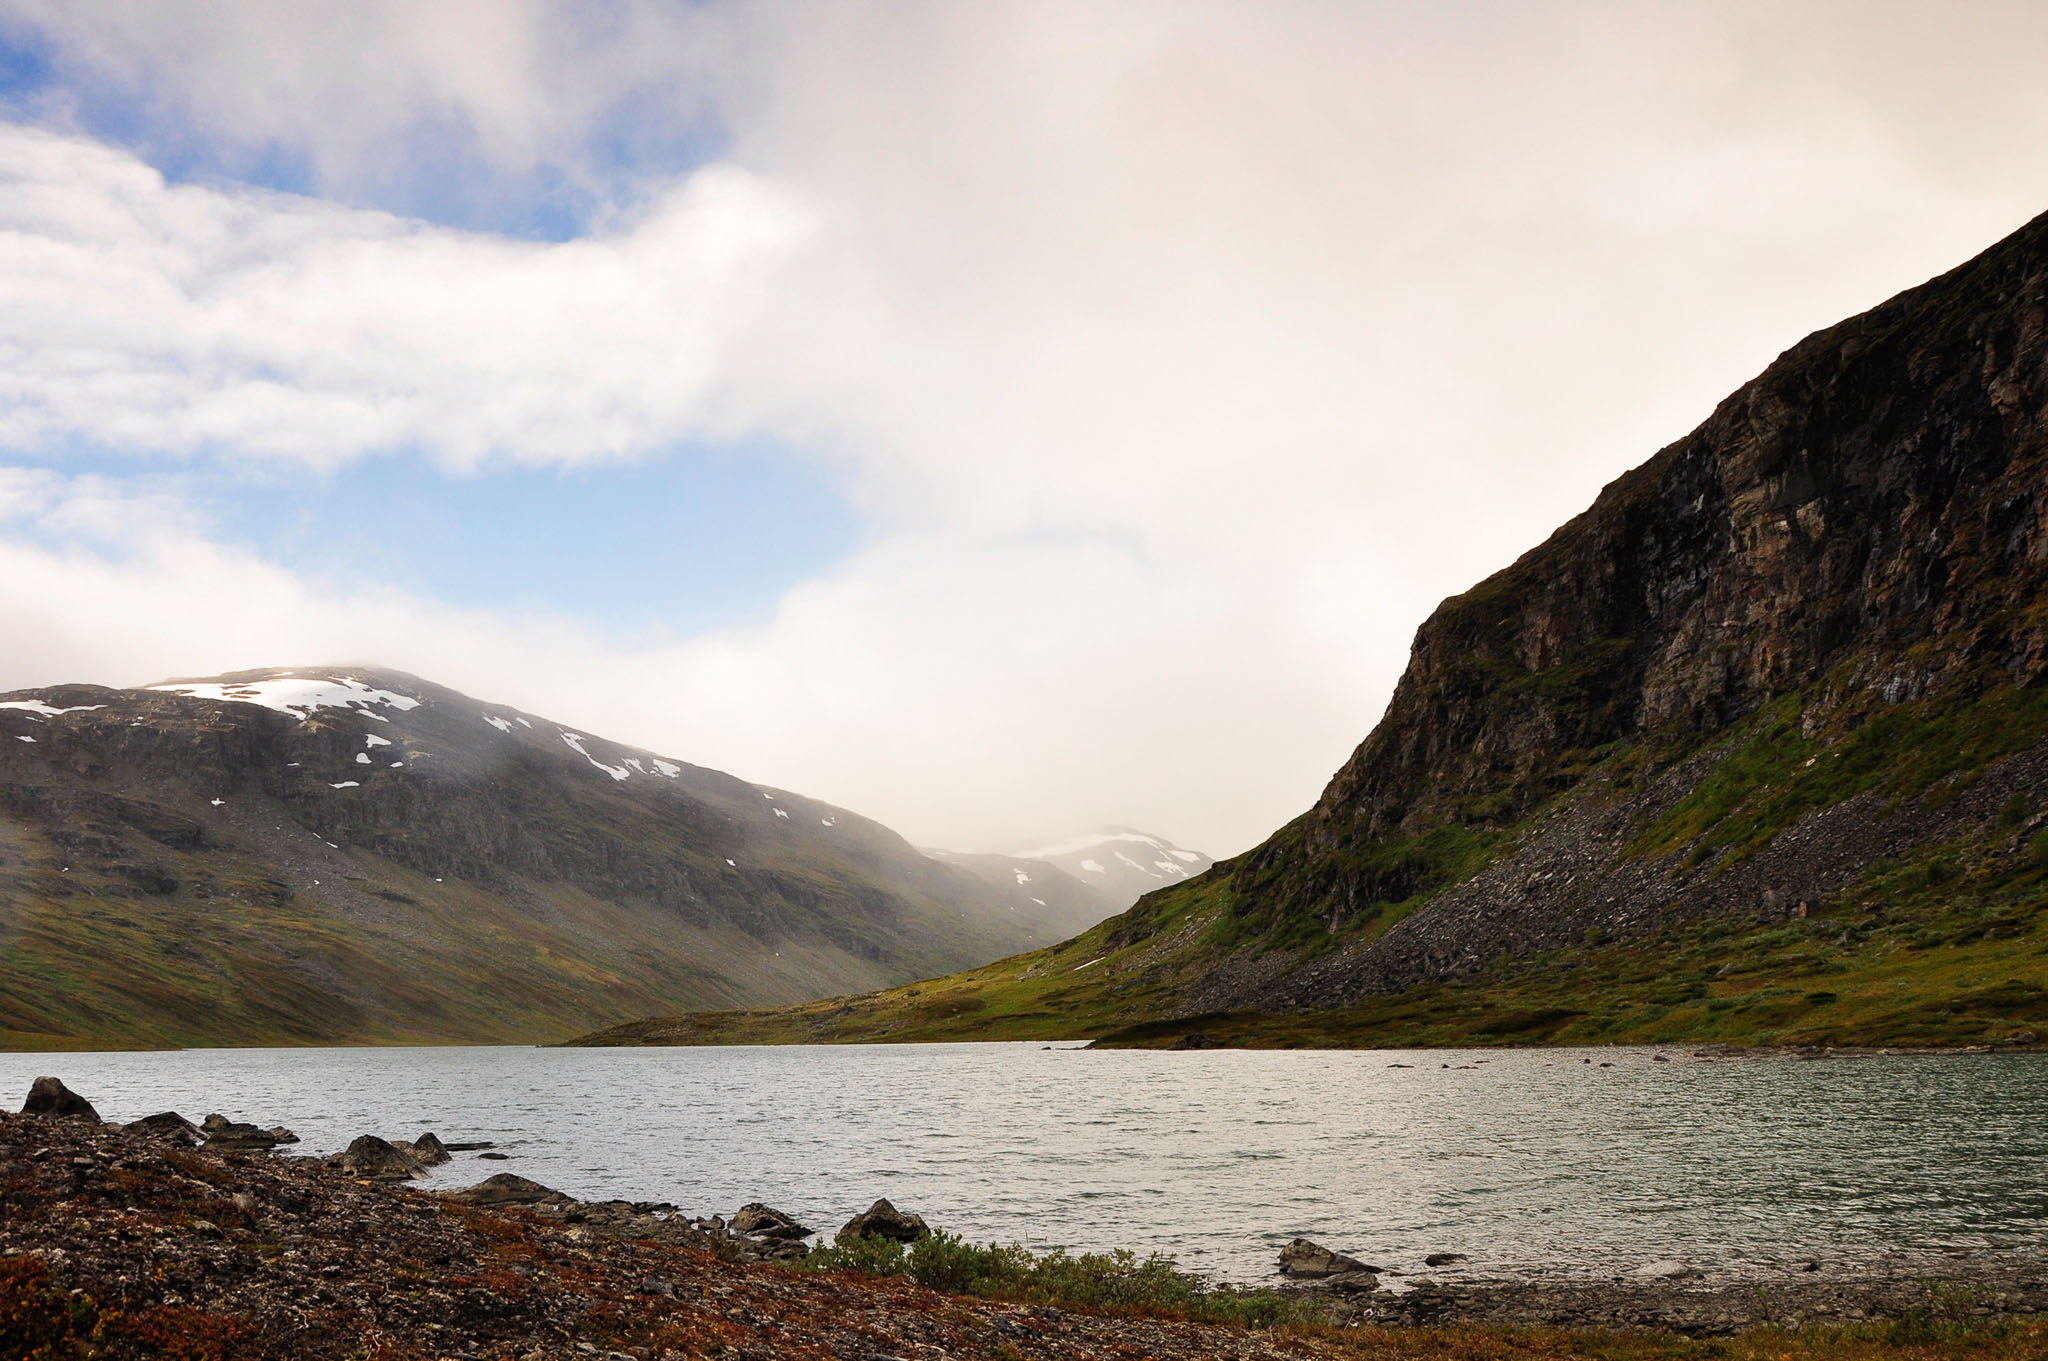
column 1001, row 419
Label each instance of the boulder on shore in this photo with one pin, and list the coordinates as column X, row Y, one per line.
column 763, row 1221
column 509, row 1188
column 1306, row 1261
column 169, row 1126
column 48, row 1096
column 883, row 1220
column 222, row 1132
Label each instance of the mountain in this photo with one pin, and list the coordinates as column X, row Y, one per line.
column 353, row 854
column 1083, row 879
column 1756, row 748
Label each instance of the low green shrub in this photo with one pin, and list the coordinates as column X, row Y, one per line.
column 1110, row 1283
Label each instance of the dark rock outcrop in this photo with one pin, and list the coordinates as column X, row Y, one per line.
column 883, row 1220
column 48, row 1096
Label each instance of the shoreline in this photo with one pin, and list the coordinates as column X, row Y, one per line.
column 266, row 1245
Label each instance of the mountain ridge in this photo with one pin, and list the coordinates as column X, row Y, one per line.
column 355, row 853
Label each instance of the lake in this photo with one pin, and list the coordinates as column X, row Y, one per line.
column 1525, row 1160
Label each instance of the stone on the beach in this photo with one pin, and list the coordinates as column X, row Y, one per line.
column 222, row 1132
column 1667, row 1269
column 379, row 1160
column 48, row 1096
column 169, row 1126
column 1306, row 1261
column 507, row 1188
column 883, row 1220
column 763, row 1221
column 1351, row 1282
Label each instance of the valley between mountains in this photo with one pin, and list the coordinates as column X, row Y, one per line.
column 1753, row 750
column 322, row 855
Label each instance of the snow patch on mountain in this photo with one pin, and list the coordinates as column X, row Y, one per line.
column 42, row 710
column 299, row 696
column 575, row 743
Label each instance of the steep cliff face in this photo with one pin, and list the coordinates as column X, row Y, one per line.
column 1861, row 526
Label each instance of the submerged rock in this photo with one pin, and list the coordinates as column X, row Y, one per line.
column 883, row 1220
column 48, row 1096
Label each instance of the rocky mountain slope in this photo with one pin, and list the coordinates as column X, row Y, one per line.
column 1756, row 747
column 330, row 855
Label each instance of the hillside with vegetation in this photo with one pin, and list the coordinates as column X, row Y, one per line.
column 322, row 855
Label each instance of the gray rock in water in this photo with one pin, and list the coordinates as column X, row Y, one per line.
column 762, row 1221
column 1306, row 1261
column 427, row 1150
column 1667, row 1269
column 48, row 1096
column 883, row 1220
column 1443, row 1258
column 379, row 1160
column 169, row 1126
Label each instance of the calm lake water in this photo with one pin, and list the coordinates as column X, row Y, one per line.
column 1526, row 1160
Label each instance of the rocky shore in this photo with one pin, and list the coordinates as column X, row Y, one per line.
column 163, row 1237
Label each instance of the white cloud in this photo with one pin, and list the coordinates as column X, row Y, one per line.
column 1186, row 354
column 167, row 318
